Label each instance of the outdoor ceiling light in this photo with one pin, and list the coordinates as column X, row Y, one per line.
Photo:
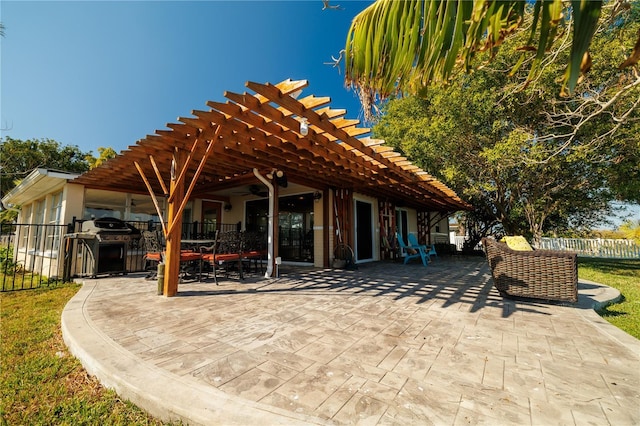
column 304, row 127
column 271, row 174
column 281, row 179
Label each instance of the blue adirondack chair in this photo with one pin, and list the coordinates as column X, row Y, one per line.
column 413, row 252
column 431, row 250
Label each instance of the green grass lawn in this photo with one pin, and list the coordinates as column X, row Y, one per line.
column 623, row 275
column 40, row 381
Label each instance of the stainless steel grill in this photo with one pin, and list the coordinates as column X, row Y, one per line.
column 107, row 242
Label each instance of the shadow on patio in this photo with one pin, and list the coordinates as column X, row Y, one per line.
column 456, row 282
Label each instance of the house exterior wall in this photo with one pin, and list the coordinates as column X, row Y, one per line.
column 39, row 248
column 440, row 231
column 72, row 203
column 318, row 235
column 238, row 209
column 332, row 226
column 412, row 221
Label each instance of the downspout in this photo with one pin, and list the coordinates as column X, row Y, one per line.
column 269, row 186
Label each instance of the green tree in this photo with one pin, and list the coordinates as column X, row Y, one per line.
column 482, row 143
column 18, row 158
column 631, row 230
column 525, row 158
column 402, row 47
column 103, row 155
column 8, row 216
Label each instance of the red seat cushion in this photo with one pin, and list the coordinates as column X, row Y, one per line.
column 254, row 254
column 209, row 257
column 189, row 256
column 154, row 257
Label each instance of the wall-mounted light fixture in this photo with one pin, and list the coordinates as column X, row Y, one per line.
column 317, row 195
column 227, row 207
column 278, row 177
column 304, row 127
column 281, row 179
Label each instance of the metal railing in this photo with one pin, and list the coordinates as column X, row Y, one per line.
column 31, row 256
column 39, row 255
column 595, row 247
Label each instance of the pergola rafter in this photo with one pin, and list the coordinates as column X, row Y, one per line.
column 262, row 129
column 217, row 149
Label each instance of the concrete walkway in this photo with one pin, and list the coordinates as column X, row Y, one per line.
column 385, row 344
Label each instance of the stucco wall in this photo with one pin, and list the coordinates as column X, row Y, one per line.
column 72, row 202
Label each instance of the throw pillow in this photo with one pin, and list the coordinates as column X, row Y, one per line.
column 517, row 242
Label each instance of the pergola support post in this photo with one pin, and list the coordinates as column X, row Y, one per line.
column 174, row 235
column 326, row 214
column 276, row 230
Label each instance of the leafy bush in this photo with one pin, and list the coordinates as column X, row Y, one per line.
column 7, row 265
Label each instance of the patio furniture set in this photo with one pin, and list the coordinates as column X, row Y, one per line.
column 230, row 252
column 518, row 271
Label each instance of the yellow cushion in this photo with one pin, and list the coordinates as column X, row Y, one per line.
column 517, row 243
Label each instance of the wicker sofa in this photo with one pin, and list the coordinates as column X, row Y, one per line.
column 539, row 274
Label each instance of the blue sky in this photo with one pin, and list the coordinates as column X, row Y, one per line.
column 107, row 73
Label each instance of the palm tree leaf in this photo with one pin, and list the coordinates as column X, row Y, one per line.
column 585, row 17
column 551, row 15
column 402, row 46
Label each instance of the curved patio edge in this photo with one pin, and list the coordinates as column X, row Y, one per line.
column 164, row 395
column 599, row 297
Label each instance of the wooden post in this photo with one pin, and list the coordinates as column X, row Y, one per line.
column 174, row 237
column 326, row 217
column 276, row 228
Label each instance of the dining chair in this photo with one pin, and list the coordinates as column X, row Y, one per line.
column 155, row 254
column 224, row 255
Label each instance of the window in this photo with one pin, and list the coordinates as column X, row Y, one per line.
column 24, row 230
column 98, row 203
column 295, row 220
column 53, row 230
column 142, row 209
column 39, row 220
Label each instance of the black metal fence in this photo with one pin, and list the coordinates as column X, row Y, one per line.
column 39, row 255
column 30, row 255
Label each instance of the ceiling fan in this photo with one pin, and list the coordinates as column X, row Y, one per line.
column 256, row 190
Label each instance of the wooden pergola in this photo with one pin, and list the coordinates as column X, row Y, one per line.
column 219, row 148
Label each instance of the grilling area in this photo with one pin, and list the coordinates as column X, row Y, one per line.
column 107, row 242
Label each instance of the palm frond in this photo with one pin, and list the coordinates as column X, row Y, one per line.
column 403, row 46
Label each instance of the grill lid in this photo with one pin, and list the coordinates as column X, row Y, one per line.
column 109, row 225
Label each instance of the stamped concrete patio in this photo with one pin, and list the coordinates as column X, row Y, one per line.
column 385, row 344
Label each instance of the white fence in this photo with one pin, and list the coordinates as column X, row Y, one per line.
column 596, row 247
column 459, row 242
